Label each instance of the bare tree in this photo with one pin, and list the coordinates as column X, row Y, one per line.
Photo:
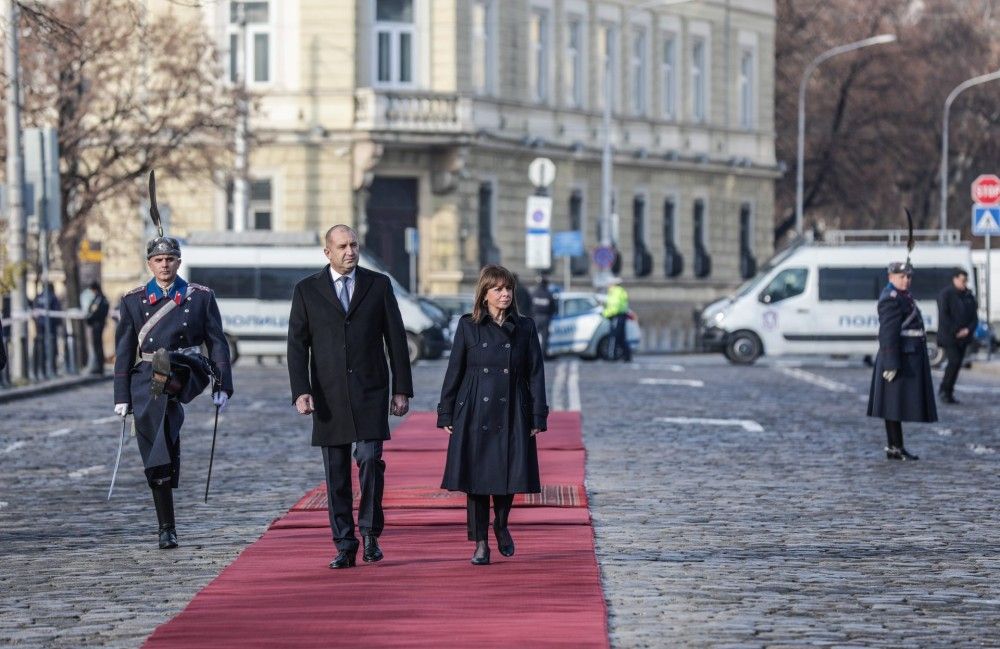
column 874, row 116
column 128, row 93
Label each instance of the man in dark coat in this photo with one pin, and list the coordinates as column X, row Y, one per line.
column 543, row 308
column 958, row 317
column 97, row 316
column 343, row 320
column 158, row 367
column 901, row 388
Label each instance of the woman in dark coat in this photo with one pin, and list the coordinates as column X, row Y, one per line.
column 493, row 404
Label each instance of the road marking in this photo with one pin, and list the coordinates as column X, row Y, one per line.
column 944, row 432
column 257, row 405
column 977, row 389
column 62, row 432
column 670, row 367
column 573, row 387
column 557, row 389
column 748, row 425
column 105, row 420
column 4, row 503
column 690, row 383
column 13, row 447
column 80, row 473
column 815, row 379
column 979, row 449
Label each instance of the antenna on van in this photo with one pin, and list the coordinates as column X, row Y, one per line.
column 910, row 241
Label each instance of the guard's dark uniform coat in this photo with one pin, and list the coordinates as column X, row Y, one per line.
column 339, row 358
column 194, row 322
column 910, row 395
column 493, row 396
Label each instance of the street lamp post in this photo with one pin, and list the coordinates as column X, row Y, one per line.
column 959, row 89
column 842, row 49
column 606, row 156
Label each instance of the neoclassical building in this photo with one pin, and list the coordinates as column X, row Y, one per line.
column 390, row 114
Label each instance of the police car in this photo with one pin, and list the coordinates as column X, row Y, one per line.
column 580, row 328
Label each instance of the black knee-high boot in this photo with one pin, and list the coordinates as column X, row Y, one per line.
column 163, row 499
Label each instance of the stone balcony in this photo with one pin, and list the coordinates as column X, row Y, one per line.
column 412, row 112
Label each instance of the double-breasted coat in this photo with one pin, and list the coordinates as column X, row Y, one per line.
column 194, row 320
column 493, row 396
column 902, row 346
column 340, row 357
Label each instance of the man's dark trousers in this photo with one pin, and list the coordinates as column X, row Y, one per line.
column 340, row 498
column 955, row 354
column 621, row 339
column 97, row 347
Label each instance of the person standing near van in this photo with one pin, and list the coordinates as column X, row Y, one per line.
column 343, row 321
column 493, row 404
column 957, row 321
column 901, row 388
column 616, row 310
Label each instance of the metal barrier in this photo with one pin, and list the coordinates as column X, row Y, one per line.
column 48, row 354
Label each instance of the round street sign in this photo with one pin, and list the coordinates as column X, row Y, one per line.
column 986, row 190
column 542, row 172
column 604, row 257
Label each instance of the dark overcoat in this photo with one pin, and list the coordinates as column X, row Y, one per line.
column 493, row 396
column 910, row 395
column 956, row 310
column 193, row 322
column 340, row 358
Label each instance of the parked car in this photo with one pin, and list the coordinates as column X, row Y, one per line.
column 580, row 328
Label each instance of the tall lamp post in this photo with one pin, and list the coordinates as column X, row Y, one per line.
column 959, row 89
column 842, row 49
column 606, row 157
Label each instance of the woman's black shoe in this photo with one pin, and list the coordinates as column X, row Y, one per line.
column 505, row 543
column 482, row 555
column 168, row 537
column 906, row 455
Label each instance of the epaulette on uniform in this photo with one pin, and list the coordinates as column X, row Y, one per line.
column 138, row 289
column 199, row 287
column 893, row 293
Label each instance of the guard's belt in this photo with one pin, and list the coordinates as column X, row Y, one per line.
column 187, row 351
column 913, row 333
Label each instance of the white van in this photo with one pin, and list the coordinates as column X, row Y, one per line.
column 253, row 282
column 820, row 297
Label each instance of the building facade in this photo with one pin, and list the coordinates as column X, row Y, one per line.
column 390, row 114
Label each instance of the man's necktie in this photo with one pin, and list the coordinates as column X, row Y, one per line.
column 345, row 295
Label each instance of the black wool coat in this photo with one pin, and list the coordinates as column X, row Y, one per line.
column 956, row 310
column 340, row 358
column 493, row 396
column 910, row 395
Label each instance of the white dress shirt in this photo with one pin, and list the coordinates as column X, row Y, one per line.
column 350, row 285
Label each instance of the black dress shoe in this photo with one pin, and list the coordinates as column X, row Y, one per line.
column 505, row 543
column 168, row 537
column 906, row 455
column 950, row 398
column 344, row 559
column 372, row 552
column 893, row 453
column 482, row 555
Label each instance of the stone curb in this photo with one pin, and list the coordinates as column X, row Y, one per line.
column 48, row 387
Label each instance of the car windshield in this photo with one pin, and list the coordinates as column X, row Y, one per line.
column 754, row 282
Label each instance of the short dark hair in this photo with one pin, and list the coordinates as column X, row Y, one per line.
column 94, row 286
column 960, row 272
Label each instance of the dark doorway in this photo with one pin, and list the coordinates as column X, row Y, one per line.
column 391, row 208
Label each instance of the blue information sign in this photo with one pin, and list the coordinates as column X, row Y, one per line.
column 567, row 244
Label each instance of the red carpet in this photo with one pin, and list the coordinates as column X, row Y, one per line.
column 279, row 592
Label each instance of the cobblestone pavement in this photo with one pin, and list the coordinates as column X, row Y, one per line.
column 789, row 528
column 784, row 528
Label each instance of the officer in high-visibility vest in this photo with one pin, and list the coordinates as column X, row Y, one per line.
column 616, row 310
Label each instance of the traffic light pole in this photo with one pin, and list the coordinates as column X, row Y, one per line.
column 15, row 197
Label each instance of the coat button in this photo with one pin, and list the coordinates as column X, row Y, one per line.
column 486, row 398
column 506, row 371
column 187, row 310
column 347, row 322
column 507, row 345
column 460, row 402
column 486, row 370
column 350, row 371
column 503, row 399
column 486, row 427
column 485, row 345
column 147, row 313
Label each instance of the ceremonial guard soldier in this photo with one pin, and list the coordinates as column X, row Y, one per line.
column 901, row 388
column 159, row 366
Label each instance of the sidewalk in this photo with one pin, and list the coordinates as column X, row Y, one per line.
column 54, row 385
column 985, row 367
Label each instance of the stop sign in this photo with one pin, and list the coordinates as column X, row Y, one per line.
column 986, row 190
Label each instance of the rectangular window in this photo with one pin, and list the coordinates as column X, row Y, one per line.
column 637, row 70
column 748, row 263
column 394, row 38
column 608, row 74
column 231, row 283
column 482, row 46
column 642, row 261
column 702, row 260
column 249, row 24
column 538, row 73
column 489, row 253
column 578, row 265
column 668, row 76
column 746, row 89
column 574, row 63
column 699, row 88
column 260, row 204
column 673, row 262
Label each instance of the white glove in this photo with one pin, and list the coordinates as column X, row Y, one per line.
column 889, row 375
column 121, row 409
column 220, row 399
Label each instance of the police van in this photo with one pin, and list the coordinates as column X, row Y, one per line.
column 820, row 297
column 253, row 278
column 579, row 327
